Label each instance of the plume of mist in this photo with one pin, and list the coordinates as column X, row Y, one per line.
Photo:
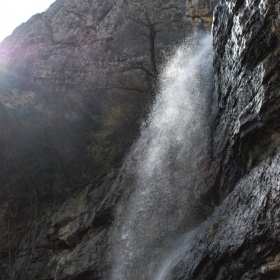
column 164, row 166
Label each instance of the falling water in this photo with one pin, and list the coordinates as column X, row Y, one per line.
column 166, row 165
column 176, row 254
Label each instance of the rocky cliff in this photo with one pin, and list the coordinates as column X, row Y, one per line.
column 241, row 238
column 58, row 56
column 75, row 81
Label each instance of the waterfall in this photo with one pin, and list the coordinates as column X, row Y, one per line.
column 174, row 256
column 165, row 166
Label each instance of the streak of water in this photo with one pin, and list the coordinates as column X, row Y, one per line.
column 165, row 165
column 174, row 256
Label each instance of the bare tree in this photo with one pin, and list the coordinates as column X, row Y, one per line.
column 147, row 18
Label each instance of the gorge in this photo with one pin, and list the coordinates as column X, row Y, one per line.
column 195, row 197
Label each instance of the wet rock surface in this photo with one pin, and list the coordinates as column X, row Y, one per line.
column 58, row 103
column 242, row 235
column 241, row 238
column 246, row 45
column 70, row 238
column 58, row 54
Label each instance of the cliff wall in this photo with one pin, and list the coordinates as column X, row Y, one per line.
column 73, row 89
column 60, row 79
column 241, row 238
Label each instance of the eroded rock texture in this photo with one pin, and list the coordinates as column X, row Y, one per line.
column 57, row 57
column 241, row 239
column 70, row 107
column 246, row 42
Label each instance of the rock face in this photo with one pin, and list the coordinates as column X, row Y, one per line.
column 246, row 46
column 69, row 111
column 70, row 237
column 241, row 239
column 56, row 55
column 73, row 85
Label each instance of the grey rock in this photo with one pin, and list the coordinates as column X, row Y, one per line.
column 54, row 71
column 71, row 238
column 241, row 234
column 246, row 45
column 240, row 240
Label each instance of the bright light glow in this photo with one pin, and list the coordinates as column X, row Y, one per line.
column 15, row 12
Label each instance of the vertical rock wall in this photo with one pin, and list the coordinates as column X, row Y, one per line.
column 246, row 42
column 57, row 72
column 241, row 238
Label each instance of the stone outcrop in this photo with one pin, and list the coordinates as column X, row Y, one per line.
column 201, row 10
column 70, row 238
column 246, row 54
column 67, row 117
column 241, row 239
column 64, row 78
